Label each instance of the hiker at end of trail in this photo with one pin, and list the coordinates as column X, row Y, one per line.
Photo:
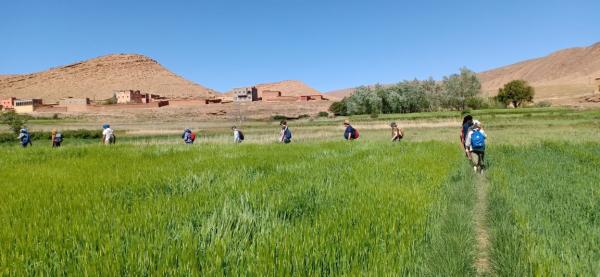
column 397, row 132
column 25, row 138
column 464, row 130
column 188, row 136
column 350, row 133
column 56, row 138
column 238, row 135
column 108, row 135
column 475, row 142
column 285, row 136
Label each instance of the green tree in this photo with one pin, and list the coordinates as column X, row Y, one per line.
column 339, row 108
column 516, row 92
column 364, row 101
column 460, row 88
column 14, row 121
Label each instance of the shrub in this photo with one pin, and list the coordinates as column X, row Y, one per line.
column 14, row 121
column 543, row 104
column 280, row 117
column 323, row 114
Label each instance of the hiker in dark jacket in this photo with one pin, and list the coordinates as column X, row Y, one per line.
column 285, row 135
column 25, row 138
column 465, row 127
column 350, row 132
column 187, row 136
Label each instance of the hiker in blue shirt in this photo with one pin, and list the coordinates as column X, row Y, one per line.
column 188, row 136
column 475, row 143
column 285, row 135
column 25, row 138
column 350, row 133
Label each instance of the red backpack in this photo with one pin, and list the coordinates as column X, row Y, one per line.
column 356, row 134
column 193, row 136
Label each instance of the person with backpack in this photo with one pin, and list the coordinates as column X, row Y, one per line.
column 108, row 135
column 350, row 133
column 464, row 130
column 25, row 138
column 56, row 138
column 188, row 136
column 397, row 132
column 238, row 136
column 285, row 136
column 475, row 142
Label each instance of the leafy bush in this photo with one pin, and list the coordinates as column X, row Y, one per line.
column 543, row 104
column 280, row 117
column 14, row 120
column 323, row 114
column 339, row 108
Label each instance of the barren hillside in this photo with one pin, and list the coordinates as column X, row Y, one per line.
column 562, row 77
column 564, row 74
column 98, row 78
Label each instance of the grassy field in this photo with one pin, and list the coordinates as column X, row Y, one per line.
column 319, row 206
column 545, row 210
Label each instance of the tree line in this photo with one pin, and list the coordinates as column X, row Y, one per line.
column 458, row 92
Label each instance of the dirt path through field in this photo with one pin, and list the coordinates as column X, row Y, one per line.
column 482, row 260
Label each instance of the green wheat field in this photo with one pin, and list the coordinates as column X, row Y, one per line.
column 319, row 206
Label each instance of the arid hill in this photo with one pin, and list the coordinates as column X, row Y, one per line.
column 561, row 77
column 287, row 88
column 98, row 78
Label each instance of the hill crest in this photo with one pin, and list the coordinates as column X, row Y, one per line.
column 98, row 78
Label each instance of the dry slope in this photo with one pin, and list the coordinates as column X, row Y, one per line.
column 562, row 75
column 99, row 77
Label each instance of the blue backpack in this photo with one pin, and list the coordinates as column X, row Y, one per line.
column 287, row 134
column 25, row 138
column 58, row 138
column 477, row 140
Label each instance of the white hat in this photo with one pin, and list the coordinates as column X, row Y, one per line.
column 476, row 122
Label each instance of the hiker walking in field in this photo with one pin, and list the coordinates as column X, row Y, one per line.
column 465, row 128
column 285, row 136
column 56, row 138
column 238, row 136
column 108, row 135
column 350, row 133
column 25, row 138
column 397, row 132
column 188, row 136
column 475, row 142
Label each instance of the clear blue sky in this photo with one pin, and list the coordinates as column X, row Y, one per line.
column 328, row 44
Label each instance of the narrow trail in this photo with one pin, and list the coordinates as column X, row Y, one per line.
column 482, row 259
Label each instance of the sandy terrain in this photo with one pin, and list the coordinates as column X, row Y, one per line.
column 98, row 79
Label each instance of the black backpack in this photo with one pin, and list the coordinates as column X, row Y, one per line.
column 241, row 135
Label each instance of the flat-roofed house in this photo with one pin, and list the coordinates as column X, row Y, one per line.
column 132, row 97
column 246, row 94
column 8, row 103
column 75, row 104
column 27, row 105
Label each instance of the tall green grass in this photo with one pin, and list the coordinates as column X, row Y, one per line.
column 545, row 209
column 310, row 209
